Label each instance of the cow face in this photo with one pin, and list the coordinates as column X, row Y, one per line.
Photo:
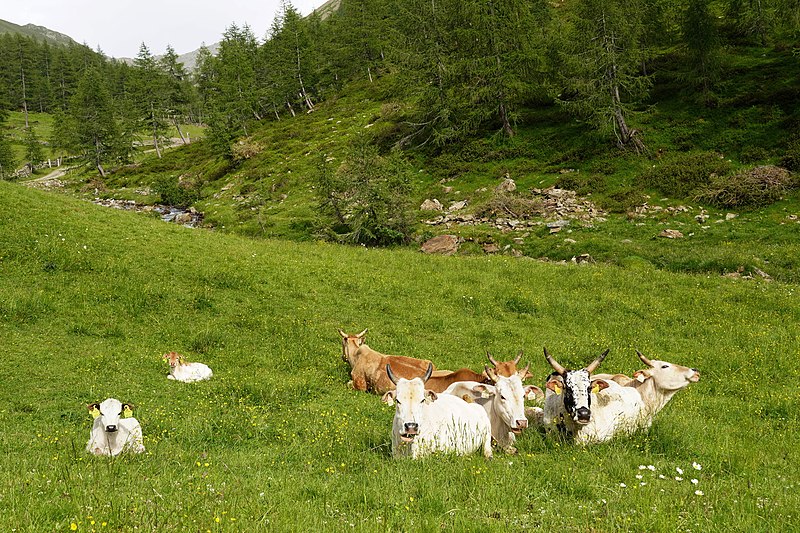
column 508, row 398
column 174, row 359
column 410, row 399
column 351, row 344
column 668, row 376
column 576, row 387
column 109, row 412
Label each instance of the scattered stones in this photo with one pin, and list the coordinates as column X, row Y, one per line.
column 671, row 234
column 730, row 216
column 558, row 224
column 447, row 190
column 441, row 244
column 457, row 206
column 490, row 248
column 792, row 217
column 555, row 229
column 191, row 217
column 431, row 205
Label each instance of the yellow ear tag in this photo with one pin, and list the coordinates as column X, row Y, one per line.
column 557, row 389
column 127, row 412
column 595, row 388
column 95, row 412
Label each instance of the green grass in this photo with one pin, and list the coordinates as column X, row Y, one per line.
column 90, row 299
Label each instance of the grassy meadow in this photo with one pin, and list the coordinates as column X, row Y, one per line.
column 90, row 298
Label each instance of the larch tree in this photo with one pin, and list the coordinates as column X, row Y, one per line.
column 91, row 126
column 599, row 65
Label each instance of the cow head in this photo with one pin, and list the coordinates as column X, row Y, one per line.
column 666, row 376
column 351, row 344
column 508, row 397
column 576, row 387
column 410, row 400
column 174, row 358
column 508, row 368
column 109, row 412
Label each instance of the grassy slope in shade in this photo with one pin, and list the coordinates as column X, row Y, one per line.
column 90, row 298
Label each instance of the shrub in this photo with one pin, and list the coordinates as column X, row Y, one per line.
column 366, row 199
column 679, row 177
column 175, row 192
column 752, row 188
column 791, row 159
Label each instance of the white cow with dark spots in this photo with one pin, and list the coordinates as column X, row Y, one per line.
column 568, row 399
column 426, row 422
column 111, row 433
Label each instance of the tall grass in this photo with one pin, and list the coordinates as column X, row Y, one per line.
column 90, row 299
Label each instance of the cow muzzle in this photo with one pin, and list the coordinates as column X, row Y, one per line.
column 582, row 415
column 520, row 425
column 111, row 429
column 695, row 377
column 410, row 430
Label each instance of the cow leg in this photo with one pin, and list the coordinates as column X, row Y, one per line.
column 487, row 448
column 359, row 383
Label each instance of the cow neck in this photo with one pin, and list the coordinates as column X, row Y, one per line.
column 654, row 397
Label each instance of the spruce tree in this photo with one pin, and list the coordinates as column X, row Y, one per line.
column 91, row 126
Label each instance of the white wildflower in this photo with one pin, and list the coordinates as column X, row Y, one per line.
column 678, row 478
column 651, row 468
column 639, row 476
column 679, row 470
column 698, row 492
column 662, row 476
column 697, row 466
column 642, row 467
column 623, row 485
column 695, row 482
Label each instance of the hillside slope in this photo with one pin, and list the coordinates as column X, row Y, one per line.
column 40, row 33
column 92, row 297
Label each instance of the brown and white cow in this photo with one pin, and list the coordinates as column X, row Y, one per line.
column 368, row 367
column 443, row 379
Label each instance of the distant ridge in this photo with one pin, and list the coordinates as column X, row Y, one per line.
column 40, row 33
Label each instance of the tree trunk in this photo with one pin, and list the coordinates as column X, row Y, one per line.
column 178, row 127
column 507, row 129
column 97, row 157
column 155, row 130
column 291, row 109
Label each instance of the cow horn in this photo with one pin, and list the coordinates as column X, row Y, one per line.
column 558, row 368
column 519, row 356
column 491, row 359
column 522, row 373
column 342, row 333
column 644, row 359
column 391, row 375
column 491, row 373
column 427, row 373
column 362, row 333
column 594, row 364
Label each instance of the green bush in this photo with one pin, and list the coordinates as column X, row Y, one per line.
column 791, row 159
column 679, row 177
column 175, row 192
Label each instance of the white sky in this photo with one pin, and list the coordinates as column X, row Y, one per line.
column 120, row 26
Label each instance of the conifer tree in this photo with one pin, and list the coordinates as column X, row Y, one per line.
column 91, row 126
column 150, row 95
column 33, row 149
column 702, row 45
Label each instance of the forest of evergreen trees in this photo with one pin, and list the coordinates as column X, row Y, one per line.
column 462, row 65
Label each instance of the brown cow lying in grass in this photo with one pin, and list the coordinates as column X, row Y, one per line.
column 443, row 379
column 368, row 367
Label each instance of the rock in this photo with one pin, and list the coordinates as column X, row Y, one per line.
column 490, row 248
column 555, row 229
column 431, row 205
column 570, row 241
column 455, row 206
column 441, row 244
column 730, row 216
column 558, row 224
column 183, row 218
column 518, row 240
column 516, row 253
column 626, row 241
column 762, row 273
column 447, row 190
column 583, row 258
column 671, row 234
column 507, row 185
column 702, row 217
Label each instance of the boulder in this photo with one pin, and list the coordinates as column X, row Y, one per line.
column 441, row 244
column 671, row 234
column 507, row 185
column 431, row 205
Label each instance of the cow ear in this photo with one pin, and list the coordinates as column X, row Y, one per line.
column 598, row 385
column 127, row 410
column 430, row 396
column 554, row 385
column 641, row 375
column 94, row 409
column 388, row 398
column 532, row 392
column 483, row 390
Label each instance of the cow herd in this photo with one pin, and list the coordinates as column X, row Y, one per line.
column 460, row 411
column 464, row 411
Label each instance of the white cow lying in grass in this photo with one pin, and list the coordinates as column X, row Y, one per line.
column 504, row 403
column 111, row 434
column 426, row 422
column 623, row 404
column 181, row 370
